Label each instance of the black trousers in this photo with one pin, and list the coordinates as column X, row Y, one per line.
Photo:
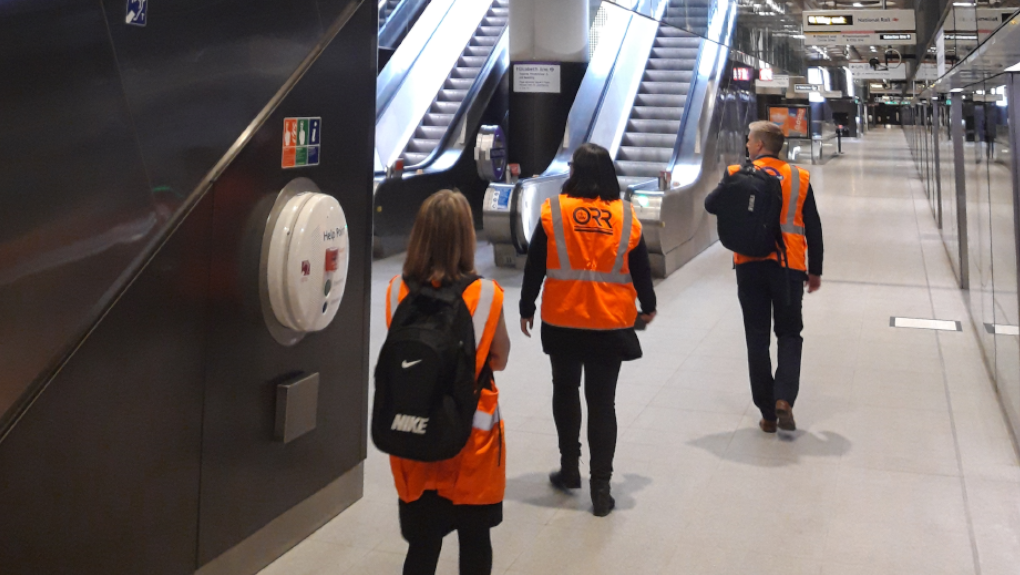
column 426, row 521
column 762, row 288
column 600, row 377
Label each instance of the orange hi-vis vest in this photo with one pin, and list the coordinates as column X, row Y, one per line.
column 588, row 283
column 795, row 189
column 477, row 475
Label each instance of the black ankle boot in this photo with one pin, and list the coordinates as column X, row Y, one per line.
column 601, row 500
column 566, row 479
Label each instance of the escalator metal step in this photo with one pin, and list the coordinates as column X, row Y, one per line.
column 451, row 95
column 671, row 88
column 675, row 53
column 678, row 42
column 459, row 84
column 491, row 30
column 437, row 119
column 423, row 146
column 494, row 21
column 477, row 50
column 444, row 107
column 653, row 126
column 673, row 32
column 670, row 64
column 649, row 140
column 640, row 154
column 472, row 61
column 661, row 100
column 430, row 132
column 668, row 76
column 465, row 72
column 484, row 40
column 656, row 113
column 414, row 158
column 630, row 168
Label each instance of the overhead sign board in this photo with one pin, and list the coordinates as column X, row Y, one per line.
column 859, row 20
column 806, row 88
column 860, row 39
column 864, row 71
column 778, row 81
column 983, row 20
column 927, row 73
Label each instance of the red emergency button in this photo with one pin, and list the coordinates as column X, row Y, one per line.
column 332, row 259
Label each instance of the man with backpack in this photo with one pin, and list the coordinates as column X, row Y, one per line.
column 767, row 215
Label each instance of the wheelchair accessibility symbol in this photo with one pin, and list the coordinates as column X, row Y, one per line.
column 137, row 12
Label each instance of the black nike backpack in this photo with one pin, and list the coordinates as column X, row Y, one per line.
column 426, row 394
column 748, row 204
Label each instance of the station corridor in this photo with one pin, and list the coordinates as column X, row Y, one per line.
column 903, row 463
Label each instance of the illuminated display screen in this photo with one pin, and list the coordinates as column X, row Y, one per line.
column 845, row 20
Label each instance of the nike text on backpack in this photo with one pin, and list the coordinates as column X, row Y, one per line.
column 425, row 388
column 748, row 204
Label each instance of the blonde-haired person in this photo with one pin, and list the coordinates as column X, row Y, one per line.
column 588, row 255
column 767, row 291
column 465, row 493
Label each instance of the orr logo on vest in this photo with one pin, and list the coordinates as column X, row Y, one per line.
column 409, row 424
column 593, row 221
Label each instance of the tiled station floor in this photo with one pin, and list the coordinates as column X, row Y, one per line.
column 902, row 464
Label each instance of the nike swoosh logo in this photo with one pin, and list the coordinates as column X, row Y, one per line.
column 407, row 364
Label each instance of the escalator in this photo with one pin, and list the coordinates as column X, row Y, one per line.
column 442, row 84
column 655, row 118
column 651, row 97
column 396, row 18
column 441, row 113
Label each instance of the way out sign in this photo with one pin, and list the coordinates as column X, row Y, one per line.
column 302, row 139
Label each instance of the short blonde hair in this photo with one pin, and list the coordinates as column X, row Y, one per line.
column 442, row 244
column 768, row 134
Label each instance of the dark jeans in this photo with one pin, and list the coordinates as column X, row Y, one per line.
column 600, row 377
column 425, row 522
column 762, row 288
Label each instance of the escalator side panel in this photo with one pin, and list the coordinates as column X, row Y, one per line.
column 397, row 123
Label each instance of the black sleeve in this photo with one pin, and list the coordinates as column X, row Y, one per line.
column 534, row 271
column 813, row 231
column 712, row 198
column 641, row 275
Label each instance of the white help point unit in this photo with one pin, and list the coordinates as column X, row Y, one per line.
column 305, row 265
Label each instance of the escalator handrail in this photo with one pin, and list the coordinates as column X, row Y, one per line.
column 501, row 51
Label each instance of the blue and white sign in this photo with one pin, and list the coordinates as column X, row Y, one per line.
column 137, row 12
column 314, row 131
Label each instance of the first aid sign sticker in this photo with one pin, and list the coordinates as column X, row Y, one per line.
column 301, row 140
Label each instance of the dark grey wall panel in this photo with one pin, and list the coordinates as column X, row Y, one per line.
column 101, row 475
column 75, row 205
column 248, row 478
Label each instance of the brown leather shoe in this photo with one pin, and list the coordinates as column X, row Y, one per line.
column 785, row 414
column 767, row 426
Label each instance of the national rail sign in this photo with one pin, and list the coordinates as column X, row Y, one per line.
column 859, row 21
column 860, row 38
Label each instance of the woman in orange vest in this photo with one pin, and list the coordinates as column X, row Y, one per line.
column 589, row 250
column 464, row 493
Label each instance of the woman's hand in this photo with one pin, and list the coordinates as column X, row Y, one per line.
column 527, row 323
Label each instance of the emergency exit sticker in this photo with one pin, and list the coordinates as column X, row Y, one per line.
column 301, row 142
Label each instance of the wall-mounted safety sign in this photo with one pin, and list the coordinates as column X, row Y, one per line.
column 137, row 12
column 537, row 78
column 302, row 140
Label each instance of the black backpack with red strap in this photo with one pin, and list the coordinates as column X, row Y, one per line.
column 426, row 394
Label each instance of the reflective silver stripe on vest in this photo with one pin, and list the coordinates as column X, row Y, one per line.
column 589, row 276
column 484, row 309
column 628, row 221
column 567, row 272
column 559, row 238
column 791, row 209
column 486, row 421
column 792, row 229
column 395, row 295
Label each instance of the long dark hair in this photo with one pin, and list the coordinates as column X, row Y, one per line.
column 593, row 175
column 442, row 243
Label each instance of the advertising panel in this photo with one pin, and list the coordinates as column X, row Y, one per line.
column 793, row 120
